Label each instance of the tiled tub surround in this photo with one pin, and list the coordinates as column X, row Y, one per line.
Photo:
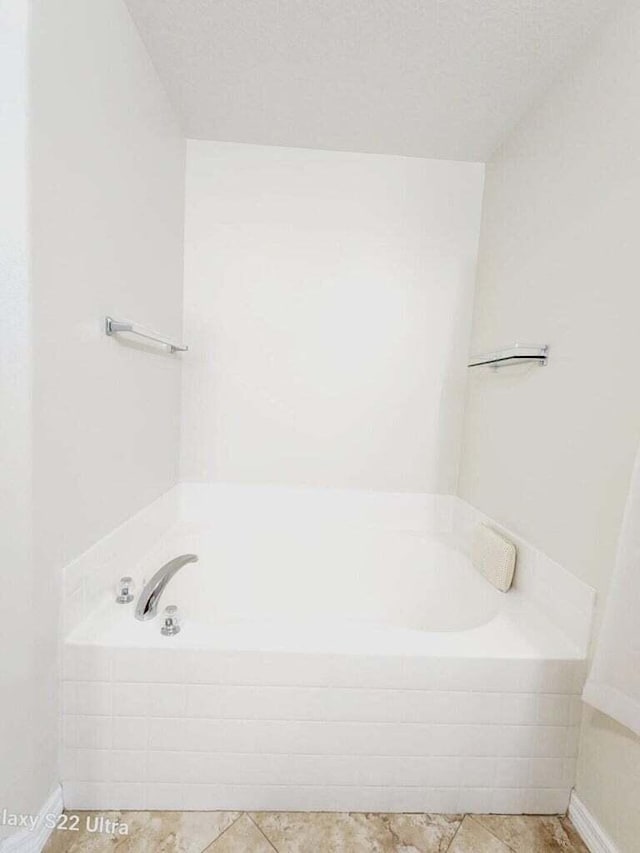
column 406, row 706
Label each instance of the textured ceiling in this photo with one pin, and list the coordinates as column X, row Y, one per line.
column 429, row 78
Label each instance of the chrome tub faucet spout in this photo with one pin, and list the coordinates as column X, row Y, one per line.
column 147, row 605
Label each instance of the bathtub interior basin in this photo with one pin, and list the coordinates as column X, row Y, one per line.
column 281, row 569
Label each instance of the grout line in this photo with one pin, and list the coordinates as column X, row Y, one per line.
column 262, row 832
column 304, row 687
column 226, row 829
column 492, row 833
column 464, row 817
column 355, row 755
column 288, row 720
column 332, row 786
column 537, row 818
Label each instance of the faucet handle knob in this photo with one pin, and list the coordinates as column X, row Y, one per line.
column 170, row 621
column 126, row 587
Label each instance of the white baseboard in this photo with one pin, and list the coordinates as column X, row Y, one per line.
column 26, row 841
column 588, row 827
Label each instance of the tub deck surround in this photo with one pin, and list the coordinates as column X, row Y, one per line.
column 91, row 578
column 338, row 653
column 539, row 582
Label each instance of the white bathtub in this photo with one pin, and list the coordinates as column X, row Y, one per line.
column 338, row 652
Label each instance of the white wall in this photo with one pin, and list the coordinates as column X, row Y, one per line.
column 89, row 427
column 26, row 778
column 548, row 452
column 108, row 187
column 327, row 299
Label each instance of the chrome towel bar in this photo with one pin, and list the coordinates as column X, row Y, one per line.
column 113, row 327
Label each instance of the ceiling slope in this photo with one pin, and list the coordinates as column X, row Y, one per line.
column 428, row 78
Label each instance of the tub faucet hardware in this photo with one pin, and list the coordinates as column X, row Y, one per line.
column 125, row 590
column 171, row 623
column 147, row 605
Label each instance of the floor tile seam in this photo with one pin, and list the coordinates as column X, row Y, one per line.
column 220, row 834
column 506, row 843
column 262, row 832
column 459, row 827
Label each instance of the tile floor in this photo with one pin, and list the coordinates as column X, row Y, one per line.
column 296, row 832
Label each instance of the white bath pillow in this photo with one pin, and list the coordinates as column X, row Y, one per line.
column 493, row 556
